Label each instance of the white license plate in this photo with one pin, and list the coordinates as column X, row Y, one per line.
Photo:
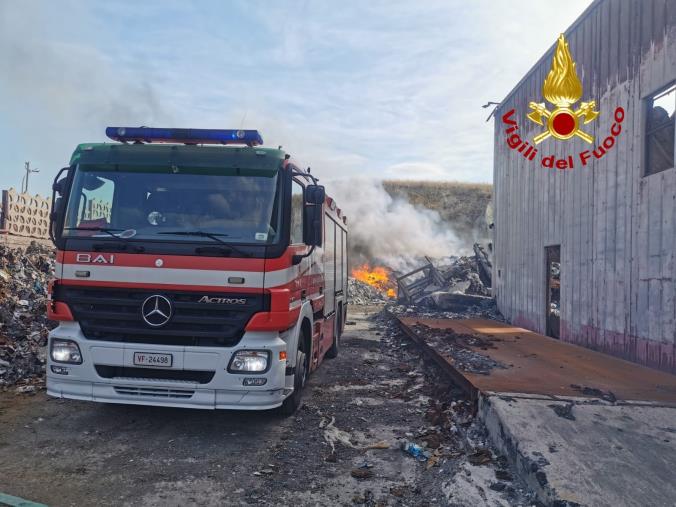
column 150, row 359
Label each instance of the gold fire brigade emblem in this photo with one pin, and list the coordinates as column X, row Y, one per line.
column 562, row 88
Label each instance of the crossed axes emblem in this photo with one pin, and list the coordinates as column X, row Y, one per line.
column 540, row 112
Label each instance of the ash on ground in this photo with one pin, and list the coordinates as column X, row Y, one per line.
column 391, row 429
column 460, row 347
column 24, row 274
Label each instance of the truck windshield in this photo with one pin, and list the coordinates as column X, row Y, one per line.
column 175, row 204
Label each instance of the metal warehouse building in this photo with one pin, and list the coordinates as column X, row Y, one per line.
column 586, row 254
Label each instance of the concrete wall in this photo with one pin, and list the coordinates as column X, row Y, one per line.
column 25, row 215
column 615, row 226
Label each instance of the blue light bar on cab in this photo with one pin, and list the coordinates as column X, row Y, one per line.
column 184, row 136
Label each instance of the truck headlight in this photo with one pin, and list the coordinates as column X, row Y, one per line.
column 65, row 351
column 249, row 361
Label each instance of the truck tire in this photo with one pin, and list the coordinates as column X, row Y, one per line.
column 335, row 346
column 292, row 402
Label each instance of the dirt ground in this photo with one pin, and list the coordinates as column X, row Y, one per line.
column 341, row 448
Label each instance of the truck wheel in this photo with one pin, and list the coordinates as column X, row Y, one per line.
column 292, row 402
column 333, row 351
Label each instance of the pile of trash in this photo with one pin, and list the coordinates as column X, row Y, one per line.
column 24, row 274
column 452, row 287
column 447, row 288
column 361, row 293
column 462, row 276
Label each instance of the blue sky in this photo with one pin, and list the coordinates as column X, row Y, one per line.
column 384, row 89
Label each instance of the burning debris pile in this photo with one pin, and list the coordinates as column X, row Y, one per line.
column 450, row 284
column 453, row 284
column 361, row 293
column 371, row 285
column 24, row 275
column 378, row 277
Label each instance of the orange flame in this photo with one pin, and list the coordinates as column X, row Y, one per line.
column 562, row 87
column 378, row 277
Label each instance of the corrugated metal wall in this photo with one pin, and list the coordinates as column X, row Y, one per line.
column 616, row 228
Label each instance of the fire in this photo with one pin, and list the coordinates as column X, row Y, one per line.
column 378, row 277
column 562, row 87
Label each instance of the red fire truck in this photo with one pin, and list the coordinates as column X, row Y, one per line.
column 195, row 268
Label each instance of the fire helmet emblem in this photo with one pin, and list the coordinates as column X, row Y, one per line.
column 156, row 311
column 562, row 88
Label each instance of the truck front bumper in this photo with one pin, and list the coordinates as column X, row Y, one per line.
column 136, row 385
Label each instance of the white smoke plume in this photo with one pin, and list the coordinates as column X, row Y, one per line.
column 55, row 93
column 389, row 231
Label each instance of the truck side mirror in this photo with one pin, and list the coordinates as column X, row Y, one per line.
column 315, row 194
column 312, row 224
column 59, row 186
column 57, row 209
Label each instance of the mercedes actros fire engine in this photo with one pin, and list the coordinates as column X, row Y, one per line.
column 195, row 268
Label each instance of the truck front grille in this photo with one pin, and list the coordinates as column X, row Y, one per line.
column 154, row 374
column 112, row 314
column 154, row 392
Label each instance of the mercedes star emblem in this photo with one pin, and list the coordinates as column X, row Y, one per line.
column 156, row 311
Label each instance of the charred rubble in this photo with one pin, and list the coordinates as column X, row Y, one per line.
column 460, row 347
column 453, row 287
column 361, row 293
column 24, row 275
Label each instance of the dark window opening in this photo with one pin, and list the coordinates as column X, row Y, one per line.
column 553, row 272
column 659, row 133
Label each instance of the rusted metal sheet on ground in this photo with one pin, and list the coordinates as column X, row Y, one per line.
column 460, row 380
column 536, row 364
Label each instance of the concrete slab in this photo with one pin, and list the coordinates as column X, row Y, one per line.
column 587, row 452
column 562, row 414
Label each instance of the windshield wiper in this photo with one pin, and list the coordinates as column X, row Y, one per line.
column 213, row 236
column 122, row 244
column 107, row 230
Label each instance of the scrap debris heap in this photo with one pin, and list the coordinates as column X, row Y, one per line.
column 24, row 327
column 450, row 287
column 463, row 276
column 361, row 293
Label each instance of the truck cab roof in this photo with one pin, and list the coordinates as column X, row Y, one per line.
column 180, row 155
